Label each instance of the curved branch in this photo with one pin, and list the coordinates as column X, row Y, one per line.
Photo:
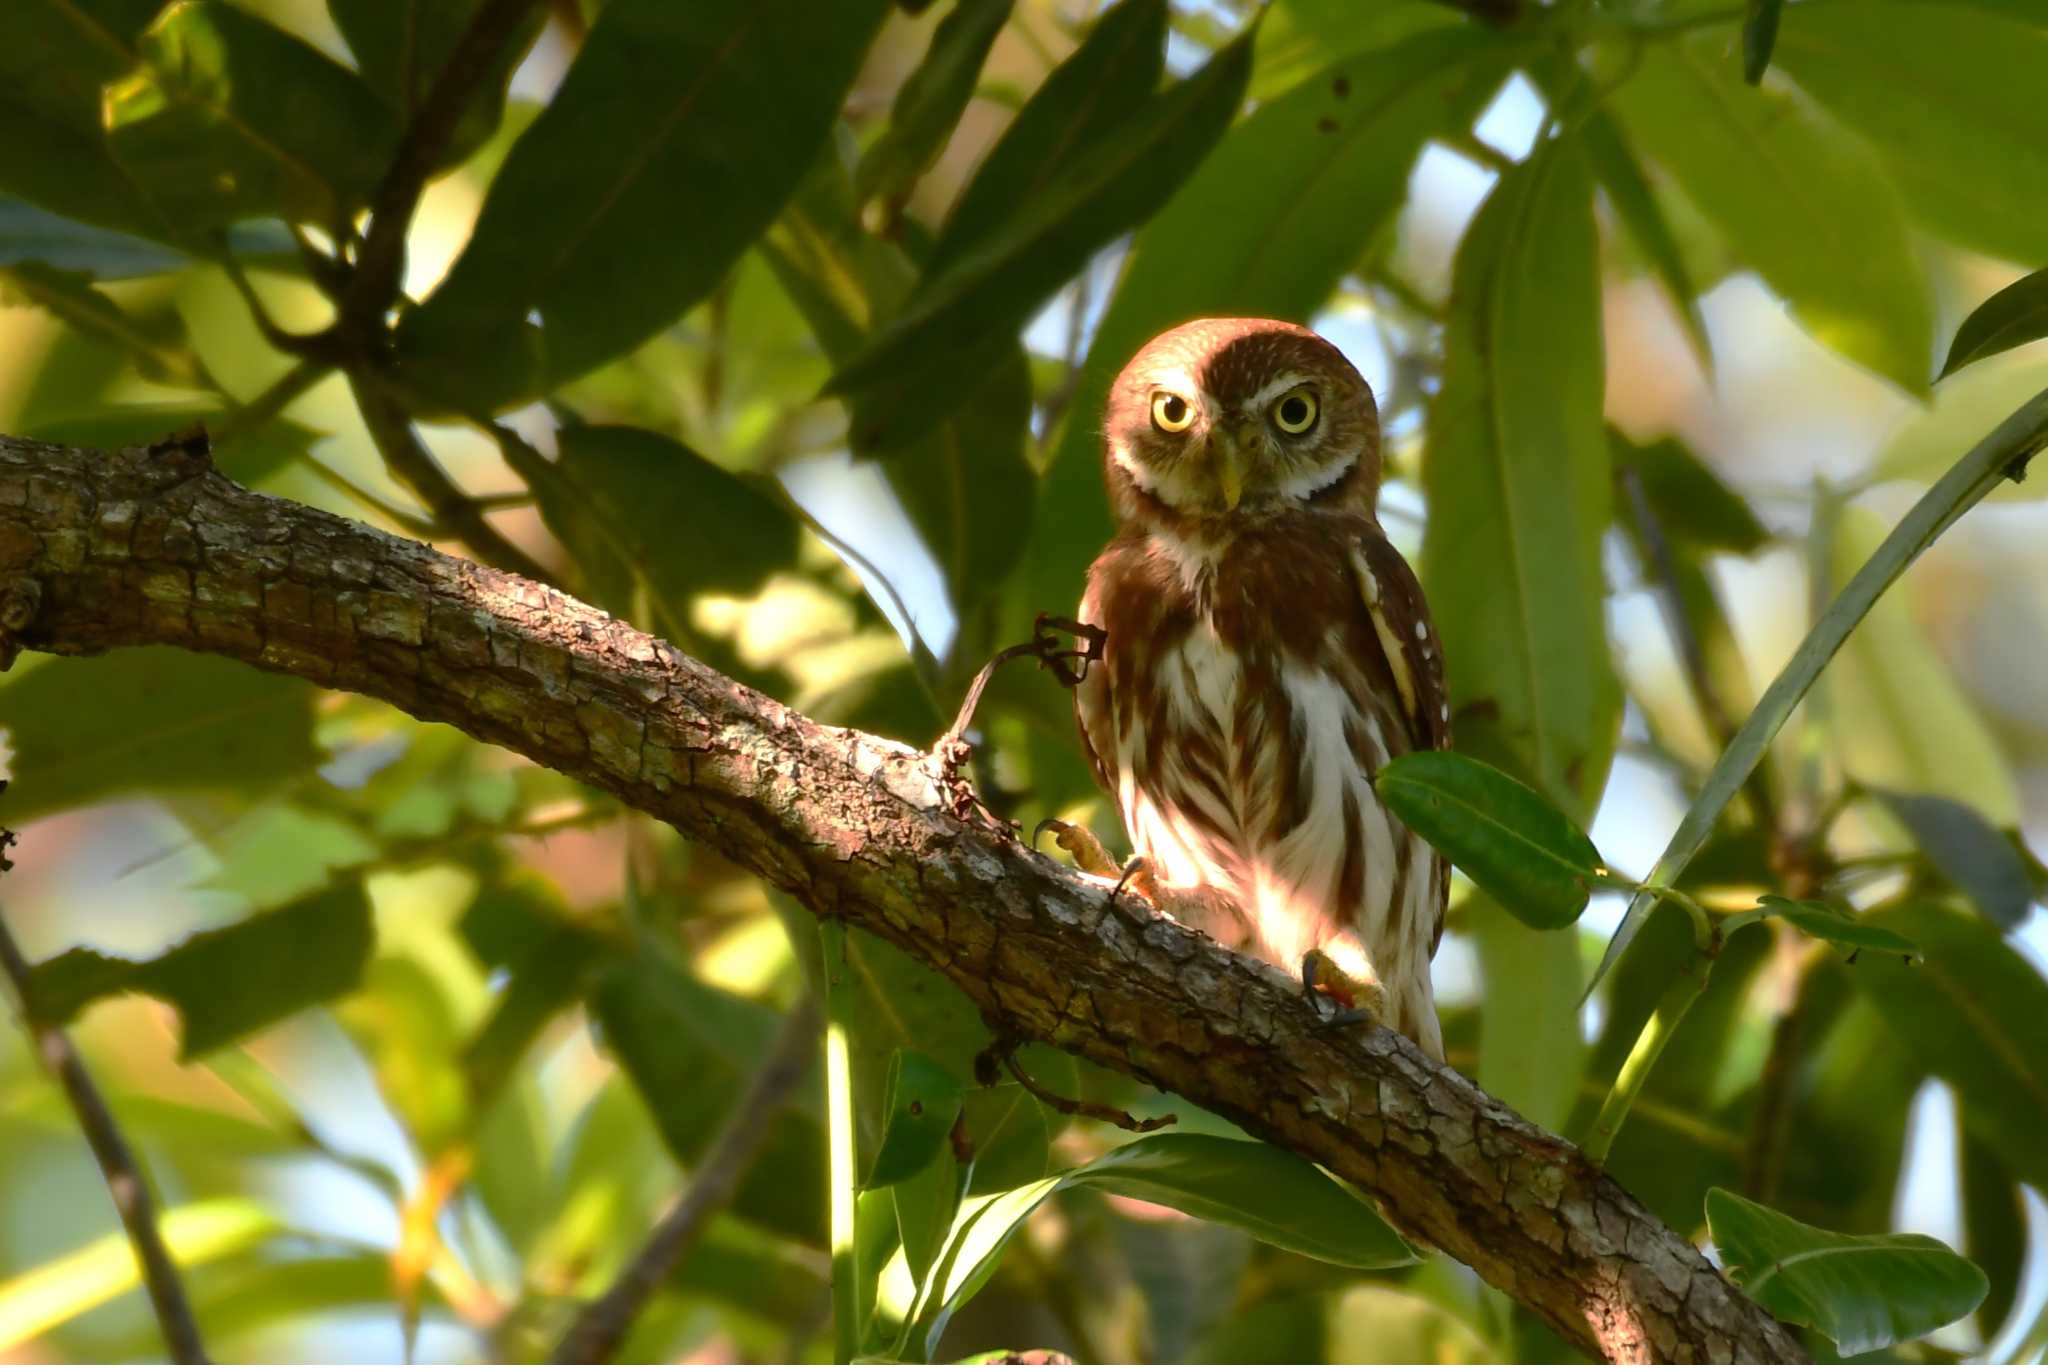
column 151, row 546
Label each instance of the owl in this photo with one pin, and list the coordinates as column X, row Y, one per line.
column 1267, row 650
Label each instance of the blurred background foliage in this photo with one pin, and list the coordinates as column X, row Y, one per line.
column 780, row 328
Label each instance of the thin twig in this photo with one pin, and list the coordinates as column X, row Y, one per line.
column 382, row 260
column 602, row 1325
column 1087, row 1109
column 267, row 405
column 126, row 1183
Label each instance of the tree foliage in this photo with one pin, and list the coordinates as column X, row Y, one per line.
column 779, row 329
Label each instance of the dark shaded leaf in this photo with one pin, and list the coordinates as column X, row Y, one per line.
column 228, row 983
column 400, row 47
column 229, row 117
column 1836, row 925
column 920, row 1102
column 161, row 720
column 2014, row 316
column 1692, row 505
column 1994, row 1211
column 672, row 142
column 1975, row 1013
column 1966, row 849
column 1517, row 847
column 1802, row 201
column 28, row 233
column 925, row 1205
column 931, row 99
column 1759, row 36
column 1519, row 481
column 1862, row 1292
column 157, row 344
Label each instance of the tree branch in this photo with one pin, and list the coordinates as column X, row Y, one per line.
column 152, row 546
column 126, row 1184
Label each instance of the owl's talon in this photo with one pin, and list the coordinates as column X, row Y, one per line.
column 1081, row 844
column 1358, row 1001
column 1138, row 876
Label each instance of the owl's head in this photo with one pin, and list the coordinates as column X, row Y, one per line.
column 1226, row 419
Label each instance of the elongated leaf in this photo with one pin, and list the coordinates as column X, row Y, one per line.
column 162, row 720
column 28, row 233
column 672, row 142
column 1975, row 1013
column 1836, row 925
column 279, row 962
column 989, row 286
column 1266, row 228
column 1517, row 847
column 400, row 47
column 1944, row 92
column 1519, row 482
column 1759, row 36
column 1965, row 848
column 229, row 117
column 931, row 99
column 1635, row 204
column 1252, row 1186
column 1801, row 200
column 921, row 1102
column 1692, row 505
column 1862, row 1292
column 1531, row 1048
column 2014, row 316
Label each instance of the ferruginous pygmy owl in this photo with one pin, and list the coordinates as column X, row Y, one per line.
column 1267, row 652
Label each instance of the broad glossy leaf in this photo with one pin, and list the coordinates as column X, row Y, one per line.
column 673, row 140
column 280, row 962
column 1801, row 199
column 1299, row 39
column 1519, row 480
column 229, row 117
column 400, row 47
column 1944, row 93
column 1635, row 204
column 1266, row 228
column 985, row 286
column 2014, row 316
column 1531, row 1048
column 1899, row 720
column 920, row 1102
column 69, row 171
column 56, row 55
column 1516, row 846
column 1839, row 926
column 1861, row 1292
column 162, row 720
column 1691, row 503
column 1975, row 1013
column 1965, row 848
column 931, row 99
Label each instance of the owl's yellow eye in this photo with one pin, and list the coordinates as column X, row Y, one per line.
column 1296, row 412
column 1171, row 412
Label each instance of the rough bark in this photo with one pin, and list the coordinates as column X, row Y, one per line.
column 152, row 546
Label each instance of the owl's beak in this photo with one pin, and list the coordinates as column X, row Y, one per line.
column 1232, row 458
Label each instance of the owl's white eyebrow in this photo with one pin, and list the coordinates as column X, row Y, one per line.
column 1275, row 387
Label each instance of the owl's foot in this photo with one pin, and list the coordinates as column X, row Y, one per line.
column 949, row 754
column 1356, row 1000
column 1081, row 844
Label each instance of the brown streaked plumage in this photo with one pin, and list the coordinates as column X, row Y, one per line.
column 1268, row 651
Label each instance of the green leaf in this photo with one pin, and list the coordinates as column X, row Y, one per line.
column 229, row 117
column 1945, row 94
column 1801, row 200
column 1759, row 36
column 1975, row 1013
column 1515, row 846
column 1972, row 854
column 931, row 99
column 248, row 457
column 2014, row 316
column 1925, row 442
column 1861, row 1292
column 925, row 1206
column 1373, row 1323
column 642, row 503
column 157, row 345
column 1692, row 505
column 1255, row 1187
column 1994, row 1209
column 280, row 961
column 920, row 1103
column 400, row 47
column 28, row 233
column 674, row 139
column 1834, row 924
column 1266, row 228
column 1519, row 483
column 162, row 720
column 981, row 288
column 1635, row 204
column 1531, row 1049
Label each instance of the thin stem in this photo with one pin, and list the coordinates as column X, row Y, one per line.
column 846, row 1325
column 267, row 405
column 1678, row 998
column 602, row 1326
column 126, row 1183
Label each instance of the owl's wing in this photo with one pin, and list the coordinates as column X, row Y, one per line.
column 1092, row 706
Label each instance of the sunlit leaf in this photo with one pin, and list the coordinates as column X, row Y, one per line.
column 162, row 720
column 931, row 99
column 1519, row 482
column 1803, row 202
column 2014, row 316
column 1516, row 846
column 1839, row 926
column 1965, row 848
column 280, row 962
column 1862, row 1292
column 920, row 1102
column 675, row 137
